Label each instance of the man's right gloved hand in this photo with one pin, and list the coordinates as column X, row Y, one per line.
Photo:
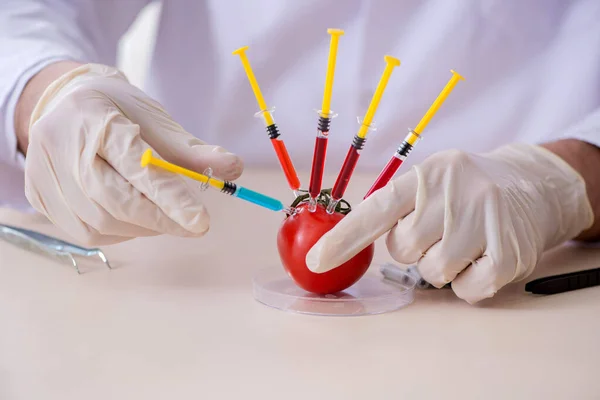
column 480, row 221
column 87, row 134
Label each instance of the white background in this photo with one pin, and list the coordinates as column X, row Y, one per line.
column 136, row 46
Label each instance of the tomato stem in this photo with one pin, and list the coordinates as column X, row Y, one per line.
column 343, row 207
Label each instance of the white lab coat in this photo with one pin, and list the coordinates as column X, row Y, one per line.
column 532, row 70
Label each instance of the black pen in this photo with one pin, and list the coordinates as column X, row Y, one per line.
column 564, row 282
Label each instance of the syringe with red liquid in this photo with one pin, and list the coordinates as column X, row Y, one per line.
column 411, row 139
column 325, row 116
column 272, row 130
column 339, row 188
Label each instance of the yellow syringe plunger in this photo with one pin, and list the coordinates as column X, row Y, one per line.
column 391, row 63
column 148, row 158
column 436, row 105
column 254, row 84
column 333, row 45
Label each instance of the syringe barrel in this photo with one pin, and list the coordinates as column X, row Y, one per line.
column 318, row 165
column 388, row 172
column 286, row 163
column 347, row 168
column 320, row 152
column 258, row 199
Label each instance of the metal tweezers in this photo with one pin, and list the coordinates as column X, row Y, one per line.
column 49, row 246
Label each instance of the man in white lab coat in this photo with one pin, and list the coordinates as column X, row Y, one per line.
column 514, row 170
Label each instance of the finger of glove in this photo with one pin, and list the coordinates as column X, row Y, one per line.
column 416, row 233
column 173, row 203
column 126, row 204
column 364, row 224
column 447, row 258
column 463, row 240
column 179, row 147
column 52, row 190
column 423, row 227
column 483, row 278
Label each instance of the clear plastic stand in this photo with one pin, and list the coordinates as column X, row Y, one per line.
column 372, row 294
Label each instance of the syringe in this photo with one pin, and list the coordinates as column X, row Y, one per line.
column 226, row 187
column 411, row 139
column 272, row 129
column 325, row 116
column 358, row 142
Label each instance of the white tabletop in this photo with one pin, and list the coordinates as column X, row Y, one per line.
column 176, row 319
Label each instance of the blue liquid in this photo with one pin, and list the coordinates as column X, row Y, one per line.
column 259, row 199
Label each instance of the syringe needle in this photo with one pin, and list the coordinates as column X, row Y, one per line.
column 325, row 116
column 359, row 139
column 272, row 129
column 226, row 187
column 411, row 139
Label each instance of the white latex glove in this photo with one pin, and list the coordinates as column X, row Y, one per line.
column 478, row 221
column 87, row 135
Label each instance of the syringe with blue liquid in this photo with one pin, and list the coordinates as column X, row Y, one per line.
column 227, row 187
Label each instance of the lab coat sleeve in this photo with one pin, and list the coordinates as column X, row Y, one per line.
column 36, row 33
column 588, row 130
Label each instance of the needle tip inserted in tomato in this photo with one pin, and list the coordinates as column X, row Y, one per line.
column 299, row 233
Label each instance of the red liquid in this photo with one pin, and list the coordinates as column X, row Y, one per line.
column 316, row 176
column 386, row 175
column 344, row 177
column 286, row 164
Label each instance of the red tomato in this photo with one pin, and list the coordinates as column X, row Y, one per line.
column 298, row 233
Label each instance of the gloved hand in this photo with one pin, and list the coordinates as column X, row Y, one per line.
column 87, row 134
column 478, row 221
